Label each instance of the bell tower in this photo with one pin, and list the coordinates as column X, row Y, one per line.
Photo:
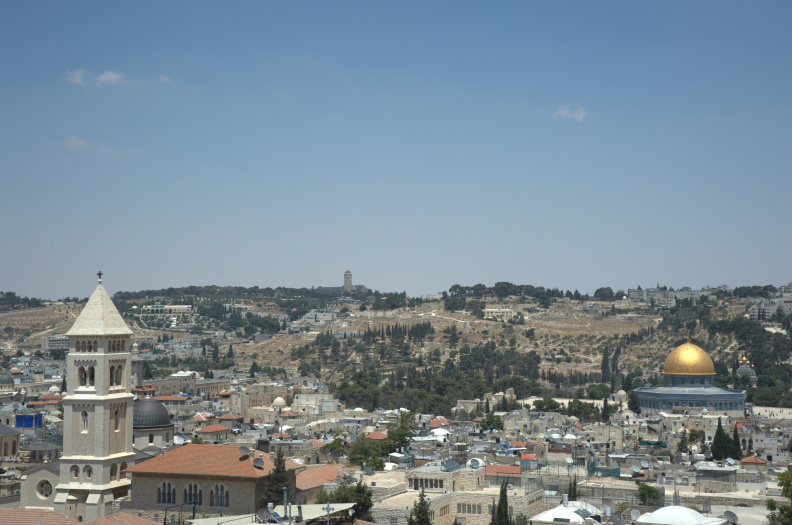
column 97, row 412
column 348, row 281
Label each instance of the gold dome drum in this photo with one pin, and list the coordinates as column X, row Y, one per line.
column 688, row 360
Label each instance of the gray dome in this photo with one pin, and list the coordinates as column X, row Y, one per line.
column 149, row 413
column 6, row 379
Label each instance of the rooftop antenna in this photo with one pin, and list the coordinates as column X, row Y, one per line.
column 635, row 514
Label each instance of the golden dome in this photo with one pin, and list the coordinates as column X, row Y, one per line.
column 688, row 360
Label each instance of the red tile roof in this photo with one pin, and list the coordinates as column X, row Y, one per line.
column 171, row 398
column 516, row 444
column 316, row 477
column 753, row 460
column 377, row 436
column 502, row 470
column 122, row 519
column 208, row 460
column 528, row 456
column 230, row 416
column 34, row 517
column 214, row 428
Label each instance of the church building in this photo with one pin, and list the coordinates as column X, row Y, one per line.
column 97, row 412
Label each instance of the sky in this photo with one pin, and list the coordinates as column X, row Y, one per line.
column 417, row 144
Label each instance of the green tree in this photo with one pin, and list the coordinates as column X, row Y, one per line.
column 274, row 483
column 721, row 443
column 633, row 403
column 736, row 450
column 682, row 446
column 648, row 495
column 491, row 422
column 197, row 440
column 363, row 450
column 230, row 352
column 357, row 493
column 500, row 514
column 420, row 513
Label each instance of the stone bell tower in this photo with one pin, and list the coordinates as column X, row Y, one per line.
column 97, row 412
column 348, row 282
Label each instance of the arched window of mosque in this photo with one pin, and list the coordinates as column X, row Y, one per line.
column 88, row 472
column 96, row 346
column 151, row 439
column 90, row 347
column 119, row 380
column 91, row 376
column 82, row 375
column 122, row 469
column 112, row 375
column 75, row 472
column 113, row 471
column 117, row 420
column 84, row 422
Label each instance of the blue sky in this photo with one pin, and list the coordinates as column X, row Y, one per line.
column 417, row 144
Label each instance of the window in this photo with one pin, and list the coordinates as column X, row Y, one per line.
column 90, row 376
column 166, row 493
column 112, row 375
column 113, row 471
column 119, row 379
column 84, row 422
column 193, row 494
column 88, row 472
column 44, row 489
column 151, row 439
column 117, row 419
column 82, row 376
column 218, row 497
column 74, row 472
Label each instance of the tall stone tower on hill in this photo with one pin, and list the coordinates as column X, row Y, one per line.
column 97, row 412
column 348, row 288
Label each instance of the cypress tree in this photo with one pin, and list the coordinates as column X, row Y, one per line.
column 420, row 513
column 721, row 443
column 736, row 449
column 501, row 511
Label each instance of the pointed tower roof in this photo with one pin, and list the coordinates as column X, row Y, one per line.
column 99, row 317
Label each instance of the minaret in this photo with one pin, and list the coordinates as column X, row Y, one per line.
column 97, row 412
column 348, row 281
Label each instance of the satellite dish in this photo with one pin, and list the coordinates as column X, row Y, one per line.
column 730, row 517
column 569, row 460
column 244, row 450
column 258, row 463
column 644, row 463
column 678, row 481
column 598, row 474
column 263, row 515
column 635, row 514
column 351, row 512
column 635, row 468
column 730, row 461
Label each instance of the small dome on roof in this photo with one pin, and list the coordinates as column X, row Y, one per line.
column 150, row 413
column 279, row 402
column 6, row 379
column 54, row 389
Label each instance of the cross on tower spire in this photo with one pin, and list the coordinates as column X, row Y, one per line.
column 99, row 273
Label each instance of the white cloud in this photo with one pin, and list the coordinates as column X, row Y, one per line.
column 164, row 79
column 75, row 142
column 76, row 77
column 110, row 78
column 567, row 111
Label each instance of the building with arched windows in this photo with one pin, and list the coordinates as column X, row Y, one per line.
column 689, row 387
column 216, row 479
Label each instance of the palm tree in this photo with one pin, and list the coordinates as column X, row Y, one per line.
column 406, row 421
